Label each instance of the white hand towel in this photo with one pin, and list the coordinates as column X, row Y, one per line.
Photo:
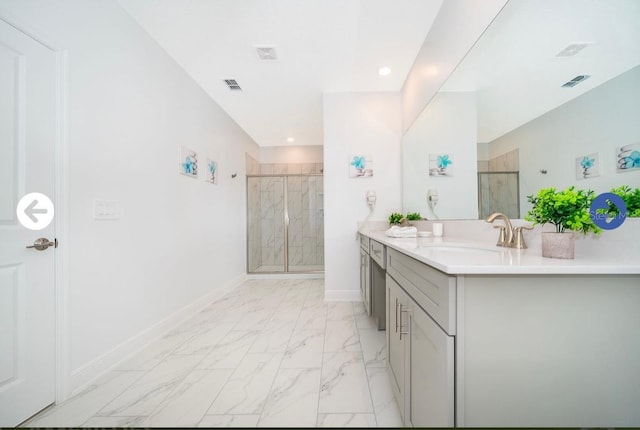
column 396, row 231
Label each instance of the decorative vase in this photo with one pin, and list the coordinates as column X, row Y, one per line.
column 558, row 245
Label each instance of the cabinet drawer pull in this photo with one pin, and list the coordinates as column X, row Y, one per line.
column 403, row 326
column 396, row 315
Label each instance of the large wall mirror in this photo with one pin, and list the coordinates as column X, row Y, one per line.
column 548, row 96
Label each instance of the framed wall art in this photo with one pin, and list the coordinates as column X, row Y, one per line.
column 188, row 162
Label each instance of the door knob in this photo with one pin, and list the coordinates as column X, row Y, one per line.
column 43, row 243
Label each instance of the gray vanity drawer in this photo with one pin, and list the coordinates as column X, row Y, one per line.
column 364, row 243
column 433, row 290
column 377, row 252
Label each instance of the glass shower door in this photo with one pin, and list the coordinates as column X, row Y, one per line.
column 499, row 192
column 285, row 224
column 266, row 224
column 306, row 223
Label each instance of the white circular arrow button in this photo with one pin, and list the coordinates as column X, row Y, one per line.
column 35, row 211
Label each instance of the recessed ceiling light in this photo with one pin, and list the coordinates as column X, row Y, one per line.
column 384, row 71
column 572, row 49
column 266, row 53
column 290, row 139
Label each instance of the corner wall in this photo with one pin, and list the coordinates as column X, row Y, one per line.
column 178, row 239
column 357, row 123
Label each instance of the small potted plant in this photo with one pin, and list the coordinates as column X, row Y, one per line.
column 413, row 216
column 568, row 211
column 396, row 218
column 631, row 198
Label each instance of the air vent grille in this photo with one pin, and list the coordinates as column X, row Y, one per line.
column 575, row 81
column 233, row 84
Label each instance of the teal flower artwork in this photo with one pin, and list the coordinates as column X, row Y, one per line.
column 359, row 162
column 360, row 166
column 189, row 165
column 628, row 157
column 444, row 161
column 440, row 165
column 212, row 168
column 587, row 166
column 587, row 162
column 632, row 161
column 188, row 162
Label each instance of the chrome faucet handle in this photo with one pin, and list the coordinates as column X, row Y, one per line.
column 501, row 236
column 508, row 228
column 519, row 237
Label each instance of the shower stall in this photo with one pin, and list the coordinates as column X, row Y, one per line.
column 499, row 192
column 285, row 223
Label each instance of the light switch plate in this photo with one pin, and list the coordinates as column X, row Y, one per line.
column 106, row 210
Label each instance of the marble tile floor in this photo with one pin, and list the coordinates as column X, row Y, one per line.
column 271, row 353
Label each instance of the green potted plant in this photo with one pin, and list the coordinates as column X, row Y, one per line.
column 396, row 218
column 413, row 216
column 631, row 198
column 568, row 211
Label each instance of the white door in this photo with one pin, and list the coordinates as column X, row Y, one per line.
column 27, row 301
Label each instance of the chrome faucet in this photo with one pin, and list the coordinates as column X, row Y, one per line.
column 509, row 237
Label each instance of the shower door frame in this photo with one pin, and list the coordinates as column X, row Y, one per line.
column 285, row 220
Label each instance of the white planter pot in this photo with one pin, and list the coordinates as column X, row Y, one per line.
column 558, row 245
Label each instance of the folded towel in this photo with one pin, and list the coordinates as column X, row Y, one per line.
column 396, row 231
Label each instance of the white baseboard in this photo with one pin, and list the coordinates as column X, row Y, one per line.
column 286, row 276
column 86, row 374
column 342, row 295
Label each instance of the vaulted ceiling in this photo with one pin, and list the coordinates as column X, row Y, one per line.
column 321, row 46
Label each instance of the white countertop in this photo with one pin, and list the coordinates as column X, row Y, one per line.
column 457, row 256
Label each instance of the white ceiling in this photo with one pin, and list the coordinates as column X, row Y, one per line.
column 514, row 67
column 322, row 46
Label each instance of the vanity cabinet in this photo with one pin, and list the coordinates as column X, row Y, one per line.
column 378, row 265
column 397, row 304
column 519, row 342
column 420, row 352
column 365, row 273
column 429, row 370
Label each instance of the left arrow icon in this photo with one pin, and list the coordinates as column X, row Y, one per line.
column 34, row 204
column 31, row 210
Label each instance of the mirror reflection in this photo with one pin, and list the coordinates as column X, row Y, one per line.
column 549, row 96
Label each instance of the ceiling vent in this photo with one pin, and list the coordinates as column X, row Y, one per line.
column 575, row 81
column 233, row 84
column 572, row 49
column 266, row 53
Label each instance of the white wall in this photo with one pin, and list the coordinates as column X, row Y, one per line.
column 130, row 107
column 598, row 121
column 447, row 126
column 291, row 154
column 443, row 49
column 483, row 151
column 354, row 123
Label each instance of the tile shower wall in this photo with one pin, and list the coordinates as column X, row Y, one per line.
column 498, row 190
column 499, row 193
column 266, row 204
